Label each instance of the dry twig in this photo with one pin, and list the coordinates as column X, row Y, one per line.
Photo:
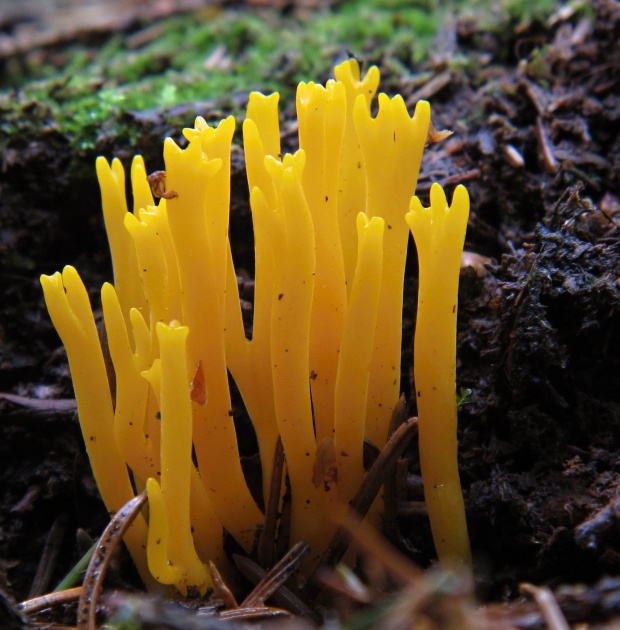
column 107, row 545
column 51, row 600
column 277, row 575
column 360, row 505
column 548, row 606
column 47, row 563
column 267, row 547
column 283, row 596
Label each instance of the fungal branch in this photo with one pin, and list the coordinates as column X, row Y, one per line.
column 198, row 219
column 321, row 371
column 439, row 233
column 69, row 307
column 392, row 144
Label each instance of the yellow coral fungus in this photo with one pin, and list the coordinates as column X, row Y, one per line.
column 69, row 307
column 439, row 233
column 322, row 368
column 171, row 552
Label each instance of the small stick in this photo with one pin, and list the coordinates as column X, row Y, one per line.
column 551, row 164
column 107, row 544
column 588, row 534
column 548, row 606
column 459, row 178
column 222, row 588
column 536, row 96
column 267, row 547
column 389, row 488
column 412, row 508
column 363, row 500
column 283, row 597
column 51, row 549
column 375, row 477
column 43, row 410
column 513, row 156
column 369, row 541
column 37, row 604
column 27, row 501
column 389, row 494
column 258, row 612
column 277, row 575
column 284, row 526
column 430, row 88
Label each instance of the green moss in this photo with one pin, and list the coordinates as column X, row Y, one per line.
column 212, row 59
column 206, row 56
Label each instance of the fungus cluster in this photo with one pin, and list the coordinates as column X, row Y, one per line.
column 322, row 369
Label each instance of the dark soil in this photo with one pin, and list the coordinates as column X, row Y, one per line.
column 536, row 116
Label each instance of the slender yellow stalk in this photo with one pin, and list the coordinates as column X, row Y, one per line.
column 163, row 307
column 157, row 269
column 355, row 357
column 69, row 307
column 124, row 260
column 292, row 239
column 321, row 114
column 138, row 450
column 352, row 173
column 215, row 143
column 140, row 189
column 203, row 276
column 263, row 110
column 392, row 144
column 439, row 233
column 249, row 361
column 181, row 565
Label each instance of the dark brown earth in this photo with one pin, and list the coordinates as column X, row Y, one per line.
column 536, row 116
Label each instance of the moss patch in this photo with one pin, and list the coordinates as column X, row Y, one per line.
column 212, row 54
